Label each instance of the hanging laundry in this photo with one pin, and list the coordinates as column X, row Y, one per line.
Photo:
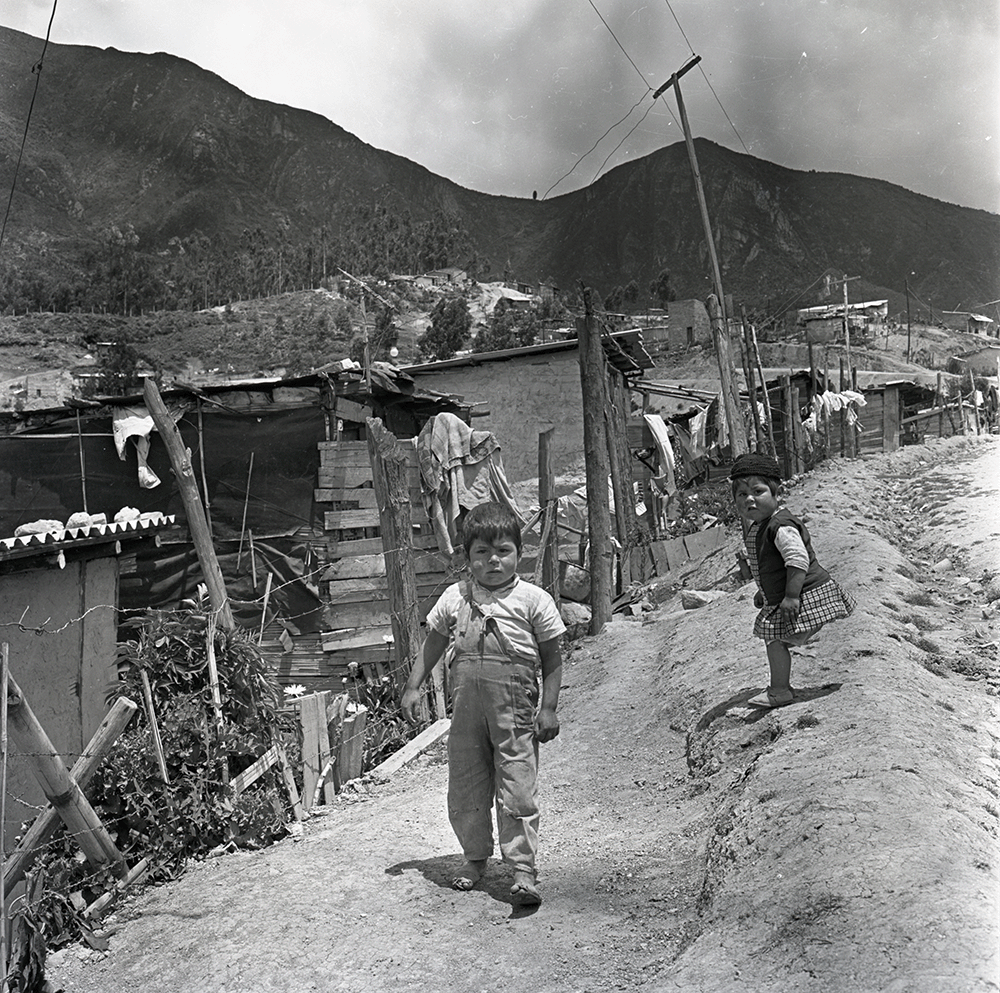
column 135, row 423
column 459, row 468
column 666, row 479
column 697, row 426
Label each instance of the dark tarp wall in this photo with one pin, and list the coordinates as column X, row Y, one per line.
column 40, row 474
column 40, row 478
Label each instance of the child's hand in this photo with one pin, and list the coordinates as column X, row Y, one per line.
column 789, row 608
column 546, row 724
column 408, row 704
column 758, row 599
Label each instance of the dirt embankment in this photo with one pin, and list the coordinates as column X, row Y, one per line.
column 846, row 843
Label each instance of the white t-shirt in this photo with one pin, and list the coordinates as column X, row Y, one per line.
column 525, row 614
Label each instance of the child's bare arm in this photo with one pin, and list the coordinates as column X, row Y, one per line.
column 789, row 606
column 434, row 646
column 546, row 720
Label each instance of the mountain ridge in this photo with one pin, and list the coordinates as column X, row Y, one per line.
column 175, row 149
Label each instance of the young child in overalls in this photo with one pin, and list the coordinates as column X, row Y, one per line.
column 503, row 629
column 797, row 596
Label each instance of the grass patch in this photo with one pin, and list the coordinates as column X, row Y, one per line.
column 919, row 598
column 807, row 721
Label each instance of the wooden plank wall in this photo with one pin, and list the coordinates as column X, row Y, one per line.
column 356, row 624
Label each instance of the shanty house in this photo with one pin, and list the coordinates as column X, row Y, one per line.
column 59, row 600
column 525, row 391
column 281, row 515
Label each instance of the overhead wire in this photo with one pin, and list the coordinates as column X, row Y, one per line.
column 566, row 175
column 37, row 71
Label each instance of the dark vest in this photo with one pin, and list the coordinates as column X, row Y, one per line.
column 772, row 566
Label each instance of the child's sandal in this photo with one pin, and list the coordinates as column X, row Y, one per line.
column 770, row 699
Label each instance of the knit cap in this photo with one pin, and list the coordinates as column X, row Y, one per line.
column 755, row 464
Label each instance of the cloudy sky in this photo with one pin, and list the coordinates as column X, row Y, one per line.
column 509, row 97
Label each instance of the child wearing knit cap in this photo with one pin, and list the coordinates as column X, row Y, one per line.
column 797, row 596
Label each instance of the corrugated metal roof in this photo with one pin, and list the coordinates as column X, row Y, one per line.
column 624, row 349
column 47, row 542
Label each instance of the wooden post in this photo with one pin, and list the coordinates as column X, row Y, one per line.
column 180, row 461
column 841, row 415
column 392, row 493
column 616, row 433
column 798, row 460
column 813, row 387
column 83, row 770
column 724, row 358
column 312, row 717
column 890, row 418
column 786, row 425
column 61, row 790
column 748, row 346
column 768, row 421
column 548, row 551
column 595, row 447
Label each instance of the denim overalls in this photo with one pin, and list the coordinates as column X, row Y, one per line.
column 492, row 749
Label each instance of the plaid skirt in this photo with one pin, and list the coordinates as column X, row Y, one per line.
column 818, row 606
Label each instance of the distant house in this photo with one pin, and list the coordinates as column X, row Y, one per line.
column 515, row 299
column 548, row 290
column 683, row 325
column 961, row 320
column 826, row 322
column 442, row 278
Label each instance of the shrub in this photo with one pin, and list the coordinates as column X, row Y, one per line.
column 196, row 811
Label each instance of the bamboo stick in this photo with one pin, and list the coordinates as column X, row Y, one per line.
column 246, row 504
column 86, row 765
column 154, row 728
column 62, row 791
column 83, row 469
column 263, row 613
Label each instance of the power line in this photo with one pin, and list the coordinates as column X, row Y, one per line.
column 37, row 70
column 618, row 43
column 622, row 142
column 596, row 143
column 705, row 77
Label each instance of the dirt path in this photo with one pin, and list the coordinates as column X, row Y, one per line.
column 845, row 843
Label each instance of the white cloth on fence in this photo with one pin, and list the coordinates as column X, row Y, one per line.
column 666, row 479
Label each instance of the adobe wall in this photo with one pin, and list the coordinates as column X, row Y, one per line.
column 684, row 314
column 524, row 395
column 63, row 675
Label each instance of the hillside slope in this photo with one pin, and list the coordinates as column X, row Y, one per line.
column 158, row 142
column 847, row 842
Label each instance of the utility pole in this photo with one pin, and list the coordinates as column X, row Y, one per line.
column 730, row 393
column 906, row 286
column 847, row 329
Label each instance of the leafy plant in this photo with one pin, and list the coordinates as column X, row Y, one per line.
column 195, row 809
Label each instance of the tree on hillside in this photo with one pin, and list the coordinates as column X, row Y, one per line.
column 507, row 328
column 613, row 301
column 661, row 289
column 117, row 366
column 630, row 295
column 450, row 323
